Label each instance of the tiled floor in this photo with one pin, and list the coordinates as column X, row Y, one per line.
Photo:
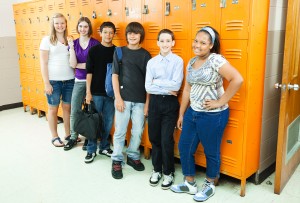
column 33, row 171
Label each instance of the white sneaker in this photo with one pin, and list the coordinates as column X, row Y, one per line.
column 155, row 178
column 168, row 181
column 208, row 190
column 185, row 187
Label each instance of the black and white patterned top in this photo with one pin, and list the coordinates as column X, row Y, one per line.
column 206, row 82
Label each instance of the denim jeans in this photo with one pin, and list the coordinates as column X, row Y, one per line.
column 78, row 96
column 207, row 128
column 62, row 90
column 105, row 106
column 135, row 112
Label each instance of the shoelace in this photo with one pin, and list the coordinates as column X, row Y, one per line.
column 205, row 187
column 168, row 178
column 155, row 175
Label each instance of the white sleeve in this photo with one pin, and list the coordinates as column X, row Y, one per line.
column 45, row 43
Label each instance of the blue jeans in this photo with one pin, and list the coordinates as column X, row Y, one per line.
column 135, row 112
column 78, row 96
column 62, row 90
column 104, row 106
column 207, row 128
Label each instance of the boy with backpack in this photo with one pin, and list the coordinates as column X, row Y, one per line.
column 98, row 58
column 163, row 81
column 130, row 99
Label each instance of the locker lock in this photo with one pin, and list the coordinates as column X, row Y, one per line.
column 109, row 13
column 167, row 11
column 145, row 10
column 127, row 11
column 94, row 16
column 194, row 5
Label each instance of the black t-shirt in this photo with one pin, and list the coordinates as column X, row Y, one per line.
column 134, row 63
column 96, row 63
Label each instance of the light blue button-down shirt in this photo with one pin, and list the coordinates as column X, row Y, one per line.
column 164, row 74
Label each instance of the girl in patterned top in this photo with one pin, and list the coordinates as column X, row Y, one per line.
column 204, row 111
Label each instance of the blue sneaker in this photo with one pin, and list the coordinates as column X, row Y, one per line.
column 208, row 190
column 185, row 187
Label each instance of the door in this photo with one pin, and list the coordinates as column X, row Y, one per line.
column 288, row 145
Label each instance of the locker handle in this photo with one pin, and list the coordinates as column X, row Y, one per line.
column 94, row 16
column 235, row 1
column 127, row 11
column 146, row 9
column 80, row 14
column 15, row 21
column 223, row 3
column 167, row 12
column 194, row 5
column 29, row 20
column 108, row 13
column 47, row 18
column 33, row 56
column 38, row 18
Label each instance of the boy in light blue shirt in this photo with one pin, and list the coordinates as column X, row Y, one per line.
column 163, row 80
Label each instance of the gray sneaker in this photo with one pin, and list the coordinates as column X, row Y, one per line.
column 208, row 190
column 185, row 187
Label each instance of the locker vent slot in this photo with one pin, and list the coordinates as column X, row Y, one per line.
column 72, row 4
column 61, row 6
column 233, row 53
column 202, row 24
column 229, row 161
column 34, row 33
column 118, row 30
column 153, row 28
column 40, row 9
column 50, row 7
column 99, row 2
column 236, row 98
column 32, row 10
column 153, row 51
column 234, row 25
column 178, row 51
column 232, row 122
column 24, row 11
column 177, row 27
column 84, row 2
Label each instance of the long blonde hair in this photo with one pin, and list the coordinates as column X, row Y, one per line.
column 53, row 37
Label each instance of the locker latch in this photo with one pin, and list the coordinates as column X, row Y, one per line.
column 108, row 13
column 235, row 1
column 127, row 11
column 203, row 5
column 167, row 12
column 94, row 16
column 223, row 3
column 194, row 5
column 146, row 9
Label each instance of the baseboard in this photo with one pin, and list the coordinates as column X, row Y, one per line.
column 11, row 106
column 258, row 178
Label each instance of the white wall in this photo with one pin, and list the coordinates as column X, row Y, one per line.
column 9, row 68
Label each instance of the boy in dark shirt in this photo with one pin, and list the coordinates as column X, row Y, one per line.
column 131, row 100
column 98, row 58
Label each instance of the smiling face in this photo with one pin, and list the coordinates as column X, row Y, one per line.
column 59, row 24
column 202, row 45
column 165, row 43
column 83, row 28
column 107, row 35
column 133, row 38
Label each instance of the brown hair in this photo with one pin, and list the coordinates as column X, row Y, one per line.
column 166, row 31
column 87, row 20
column 53, row 37
column 136, row 28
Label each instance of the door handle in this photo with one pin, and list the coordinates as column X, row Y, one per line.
column 293, row 87
column 280, row 86
column 167, row 11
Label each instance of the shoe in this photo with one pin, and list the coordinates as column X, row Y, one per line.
column 185, row 187
column 168, row 181
column 136, row 164
column 71, row 143
column 155, row 178
column 84, row 146
column 208, row 190
column 107, row 152
column 90, row 157
column 116, row 170
column 57, row 142
column 68, row 138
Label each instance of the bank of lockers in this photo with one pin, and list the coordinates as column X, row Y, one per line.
column 242, row 25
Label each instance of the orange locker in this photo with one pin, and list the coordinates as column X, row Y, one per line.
column 85, row 8
column 133, row 11
column 235, row 19
column 152, row 18
column 72, row 16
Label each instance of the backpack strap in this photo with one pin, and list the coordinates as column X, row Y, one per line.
column 119, row 56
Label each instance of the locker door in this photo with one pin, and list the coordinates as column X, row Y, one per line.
column 85, row 8
column 133, row 11
column 204, row 13
column 235, row 19
column 26, row 21
column 115, row 15
column 60, row 6
column 21, row 54
column 72, row 17
column 152, row 18
column 29, row 62
column 176, row 14
column 42, row 23
column 17, row 8
column 235, row 51
column 50, row 10
column 99, row 15
column 33, row 21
